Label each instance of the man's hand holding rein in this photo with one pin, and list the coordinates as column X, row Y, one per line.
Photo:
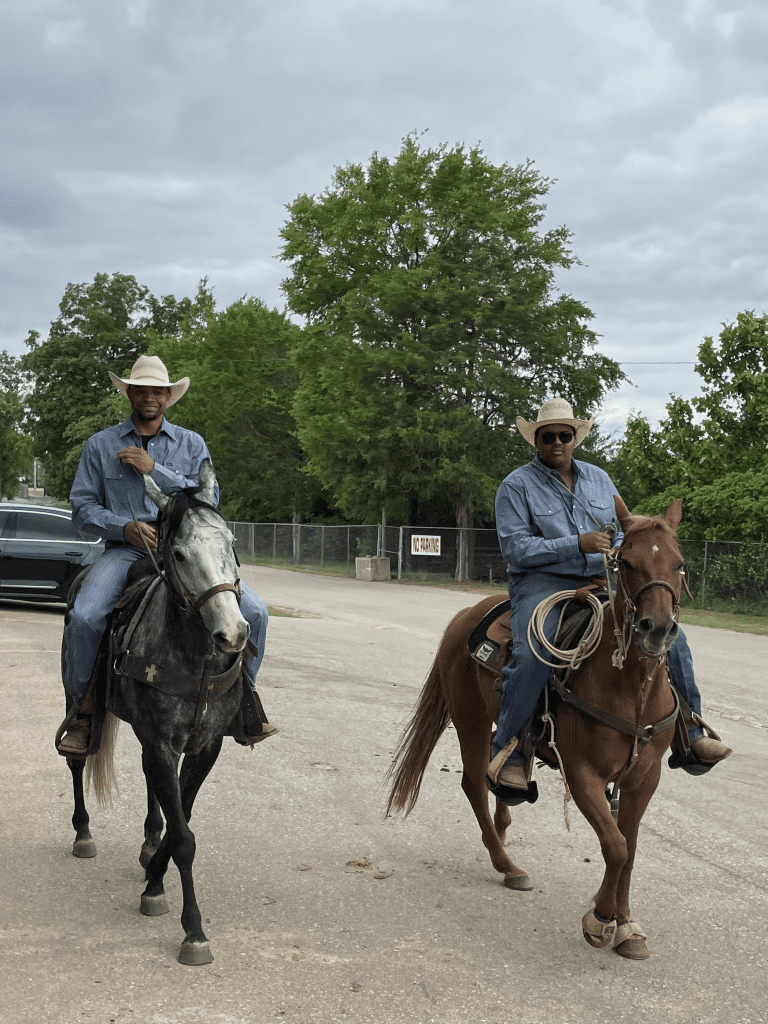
column 596, row 543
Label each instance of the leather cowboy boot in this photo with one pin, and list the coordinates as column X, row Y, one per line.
column 696, row 747
column 250, row 724
column 76, row 741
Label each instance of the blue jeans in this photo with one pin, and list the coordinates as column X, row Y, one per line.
column 97, row 598
column 524, row 681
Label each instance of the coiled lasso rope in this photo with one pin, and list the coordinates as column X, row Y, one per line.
column 586, row 646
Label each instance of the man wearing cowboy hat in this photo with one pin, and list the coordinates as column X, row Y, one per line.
column 105, row 494
column 555, row 520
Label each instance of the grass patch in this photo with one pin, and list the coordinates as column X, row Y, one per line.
column 714, row 619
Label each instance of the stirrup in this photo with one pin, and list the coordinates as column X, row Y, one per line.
column 70, row 723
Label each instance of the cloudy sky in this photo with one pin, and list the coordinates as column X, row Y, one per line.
column 163, row 138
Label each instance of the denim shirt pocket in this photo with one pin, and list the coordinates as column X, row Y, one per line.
column 545, row 520
column 602, row 510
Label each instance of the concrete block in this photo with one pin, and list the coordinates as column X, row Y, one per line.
column 372, row 569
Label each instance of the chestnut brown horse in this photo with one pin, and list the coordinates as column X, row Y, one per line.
column 594, row 754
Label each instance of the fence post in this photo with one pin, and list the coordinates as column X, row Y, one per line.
column 252, row 545
column 400, row 555
column 322, row 546
column 704, row 574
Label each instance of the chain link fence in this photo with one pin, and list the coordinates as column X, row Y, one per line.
column 721, row 574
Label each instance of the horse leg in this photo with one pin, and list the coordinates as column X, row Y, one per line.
column 83, row 846
column 153, row 827
column 588, row 790
column 630, row 937
column 176, row 796
column 475, row 746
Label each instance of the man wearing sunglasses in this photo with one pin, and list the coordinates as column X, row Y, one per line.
column 555, row 519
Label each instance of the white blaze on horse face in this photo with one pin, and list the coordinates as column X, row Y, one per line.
column 209, row 546
column 655, row 550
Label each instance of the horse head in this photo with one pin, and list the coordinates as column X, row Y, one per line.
column 198, row 554
column 650, row 577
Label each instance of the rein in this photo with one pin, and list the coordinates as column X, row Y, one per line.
column 170, row 577
column 571, row 660
column 204, row 689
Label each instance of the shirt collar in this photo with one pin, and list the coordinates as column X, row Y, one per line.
column 128, row 427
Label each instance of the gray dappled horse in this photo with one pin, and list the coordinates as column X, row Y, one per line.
column 178, row 685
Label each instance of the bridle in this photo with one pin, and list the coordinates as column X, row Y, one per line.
column 183, row 596
column 629, row 602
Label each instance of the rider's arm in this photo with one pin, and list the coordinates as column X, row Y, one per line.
column 534, row 529
column 88, row 496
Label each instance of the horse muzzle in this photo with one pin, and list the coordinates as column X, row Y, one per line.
column 655, row 638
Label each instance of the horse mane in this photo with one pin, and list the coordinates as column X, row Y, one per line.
column 181, row 502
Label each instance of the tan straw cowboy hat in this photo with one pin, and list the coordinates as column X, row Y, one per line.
column 150, row 372
column 556, row 410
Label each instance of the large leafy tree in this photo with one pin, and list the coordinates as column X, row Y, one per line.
column 104, row 325
column 712, row 450
column 15, row 445
column 243, row 382
column 432, row 320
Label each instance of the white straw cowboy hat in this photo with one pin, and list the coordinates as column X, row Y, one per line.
column 150, row 372
column 556, row 410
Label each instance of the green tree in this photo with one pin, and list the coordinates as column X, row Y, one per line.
column 104, row 325
column 15, row 446
column 432, row 320
column 711, row 450
column 243, row 382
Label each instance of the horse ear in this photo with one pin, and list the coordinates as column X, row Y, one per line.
column 625, row 517
column 207, row 480
column 675, row 513
column 154, row 492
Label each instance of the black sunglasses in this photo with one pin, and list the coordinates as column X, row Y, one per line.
column 549, row 437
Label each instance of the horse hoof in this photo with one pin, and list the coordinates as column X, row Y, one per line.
column 633, row 949
column 84, row 848
column 154, row 906
column 520, row 882
column 195, row 954
column 598, row 932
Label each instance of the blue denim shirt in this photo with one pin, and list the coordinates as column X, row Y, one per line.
column 539, row 520
column 99, row 494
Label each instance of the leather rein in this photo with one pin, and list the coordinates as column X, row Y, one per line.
column 641, row 735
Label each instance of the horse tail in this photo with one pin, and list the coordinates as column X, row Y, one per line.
column 100, row 767
column 427, row 724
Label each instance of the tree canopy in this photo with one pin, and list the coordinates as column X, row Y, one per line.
column 15, row 445
column 432, row 320
column 240, row 400
column 711, row 450
column 104, row 325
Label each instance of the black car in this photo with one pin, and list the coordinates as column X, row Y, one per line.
column 41, row 551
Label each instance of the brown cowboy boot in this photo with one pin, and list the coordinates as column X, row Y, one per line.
column 250, row 724
column 76, row 741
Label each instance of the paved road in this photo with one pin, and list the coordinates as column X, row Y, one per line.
column 320, row 910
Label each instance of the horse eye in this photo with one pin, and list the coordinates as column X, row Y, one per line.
column 627, row 565
column 179, row 556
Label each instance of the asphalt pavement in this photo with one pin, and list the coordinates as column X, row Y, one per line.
column 318, row 909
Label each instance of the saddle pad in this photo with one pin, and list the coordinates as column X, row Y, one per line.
column 490, row 642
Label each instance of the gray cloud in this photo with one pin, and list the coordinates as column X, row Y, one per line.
column 164, row 140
